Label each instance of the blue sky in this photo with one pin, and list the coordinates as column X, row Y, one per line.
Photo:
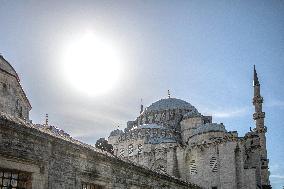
column 203, row 51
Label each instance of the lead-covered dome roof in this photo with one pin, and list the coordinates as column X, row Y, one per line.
column 116, row 132
column 170, row 104
column 208, row 127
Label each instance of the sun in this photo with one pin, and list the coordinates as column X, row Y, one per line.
column 91, row 64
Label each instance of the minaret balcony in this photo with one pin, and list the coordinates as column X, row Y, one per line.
column 258, row 115
column 257, row 100
column 262, row 129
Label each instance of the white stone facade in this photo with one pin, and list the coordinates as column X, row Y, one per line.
column 172, row 137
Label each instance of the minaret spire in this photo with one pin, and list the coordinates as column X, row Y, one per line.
column 255, row 78
column 169, row 94
column 259, row 116
column 46, row 119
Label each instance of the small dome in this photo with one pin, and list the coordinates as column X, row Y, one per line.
column 116, row 132
column 6, row 67
column 170, row 103
column 191, row 114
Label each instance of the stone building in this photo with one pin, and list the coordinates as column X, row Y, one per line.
column 169, row 145
column 34, row 156
column 172, row 137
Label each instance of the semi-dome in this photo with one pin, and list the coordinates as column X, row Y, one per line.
column 170, row 103
column 208, row 127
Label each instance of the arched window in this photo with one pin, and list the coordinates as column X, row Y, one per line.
column 14, row 179
column 17, row 104
column 160, row 166
column 5, row 88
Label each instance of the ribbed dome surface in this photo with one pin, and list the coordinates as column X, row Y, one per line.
column 170, row 103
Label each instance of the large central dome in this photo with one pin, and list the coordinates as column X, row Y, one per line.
column 170, row 104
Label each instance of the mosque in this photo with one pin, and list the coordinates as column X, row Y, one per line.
column 170, row 145
column 172, row 137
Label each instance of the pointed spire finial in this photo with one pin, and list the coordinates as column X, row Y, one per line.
column 255, row 78
column 141, row 106
column 169, row 94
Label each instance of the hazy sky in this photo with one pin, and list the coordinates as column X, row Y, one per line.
column 203, row 51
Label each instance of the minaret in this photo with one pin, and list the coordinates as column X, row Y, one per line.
column 46, row 119
column 259, row 116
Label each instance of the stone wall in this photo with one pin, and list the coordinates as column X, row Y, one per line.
column 57, row 162
column 221, row 164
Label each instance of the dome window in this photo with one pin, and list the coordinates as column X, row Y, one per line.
column 140, row 148
column 121, row 152
column 130, row 149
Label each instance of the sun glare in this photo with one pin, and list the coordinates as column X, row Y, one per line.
column 91, row 64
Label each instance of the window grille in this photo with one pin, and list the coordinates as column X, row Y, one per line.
column 91, row 186
column 213, row 164
column 12, row 179
column 192, row 167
